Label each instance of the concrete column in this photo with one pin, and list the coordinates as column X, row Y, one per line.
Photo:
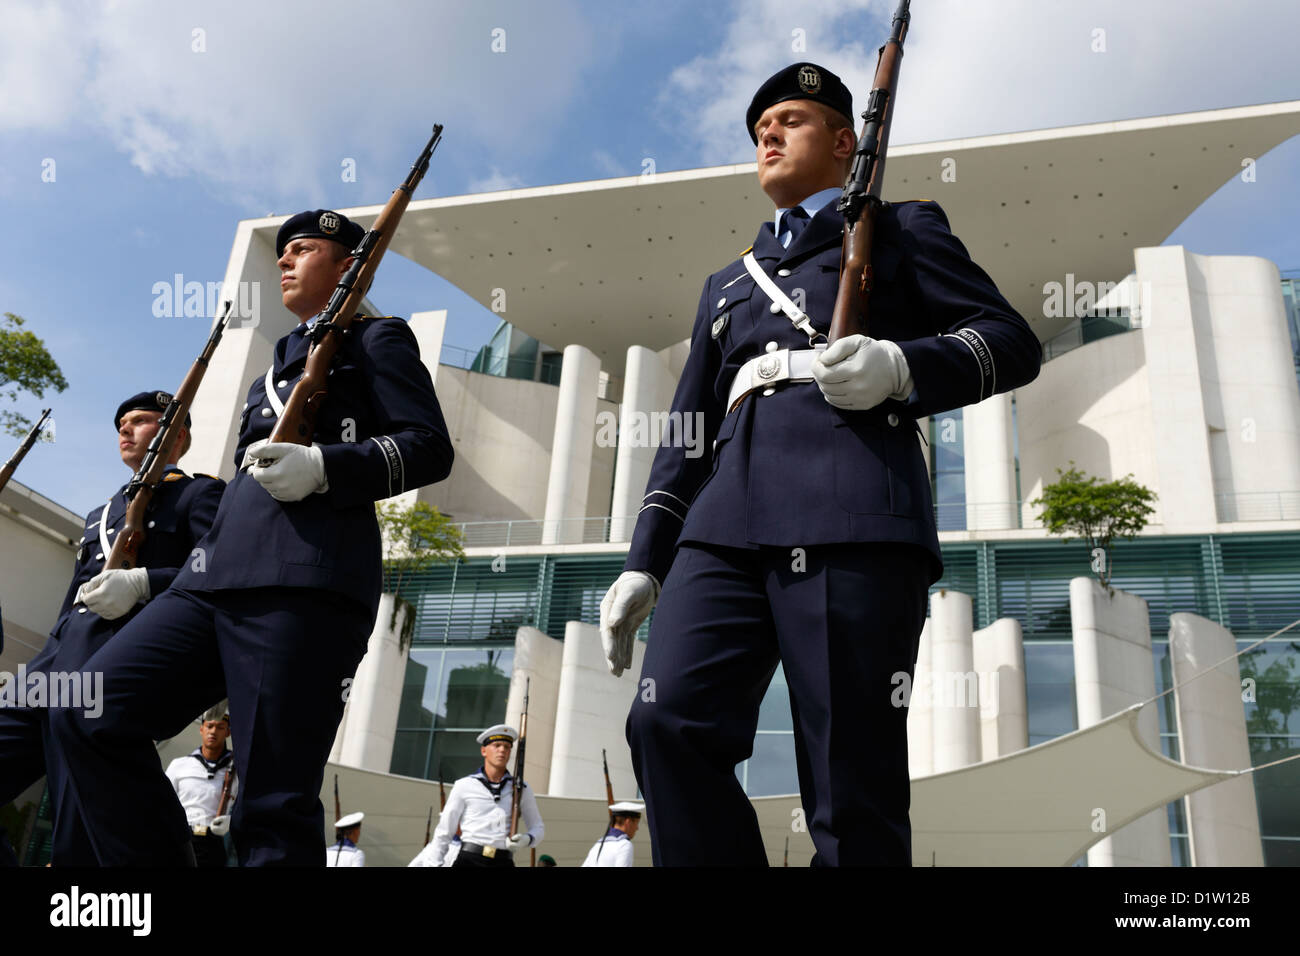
column 1222, row 820
column 999, row 656
column 1178, row 370
column 1113, row 669
column 924, row 425
column 429, row 329
column 920, row 715
column 955, row 687
column 571, row 448
column 590, row 714
column 537, row 658
column 647, row 388
column 375, row 693
column 990, row 464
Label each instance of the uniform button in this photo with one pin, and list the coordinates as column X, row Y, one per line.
column 783, row 272
column 152, row 523
column 892, row 419
column 99, row 557
column 282, row 383
column 775, row 308
column 81, row 610
column 111, row 530
column 267, row 413
column 722, row 302
column 769, row 391
column 771, row 346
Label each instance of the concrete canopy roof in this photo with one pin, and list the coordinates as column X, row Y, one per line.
column 612, row 263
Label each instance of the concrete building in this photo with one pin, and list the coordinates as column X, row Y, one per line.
column 1177, row 367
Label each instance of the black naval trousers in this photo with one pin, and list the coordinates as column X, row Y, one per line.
column 27, row 751
column 844, row 620
column 281, row 655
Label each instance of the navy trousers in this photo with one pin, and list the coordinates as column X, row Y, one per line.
column 844, row 621
column 27, row 751
column 281, row 655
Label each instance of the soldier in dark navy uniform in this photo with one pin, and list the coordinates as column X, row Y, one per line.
column 808, row 537
column 100, row 603
column 276, row 611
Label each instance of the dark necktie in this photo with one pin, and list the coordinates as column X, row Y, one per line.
column 793, row 222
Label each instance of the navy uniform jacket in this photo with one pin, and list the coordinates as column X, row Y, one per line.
column 381, row 431
column 181, row 512
column 792, row 470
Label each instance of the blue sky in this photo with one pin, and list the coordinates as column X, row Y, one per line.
column 167, row 122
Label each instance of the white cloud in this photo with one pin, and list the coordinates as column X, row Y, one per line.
column 975, row 67
column 495, row 181
column 283, row 92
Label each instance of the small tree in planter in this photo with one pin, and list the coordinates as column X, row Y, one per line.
column 415, row 539
column 1085, row 508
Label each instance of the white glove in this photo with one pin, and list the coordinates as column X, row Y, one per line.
column 520, row 841
column 857, row 372
column 220, row 826
column 110, row 594
column 626, row 604
column 288, row 472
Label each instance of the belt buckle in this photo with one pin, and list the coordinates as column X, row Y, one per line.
column 490, row 852
column 773, row 367
column 200, row 831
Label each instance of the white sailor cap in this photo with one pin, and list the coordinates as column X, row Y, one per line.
column 499, row 732
column 627, row 808
column 349, row 821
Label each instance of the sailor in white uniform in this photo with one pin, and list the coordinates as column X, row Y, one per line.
column 345, row 852
column 615, row 847
column 199, row 779
column 480, row 805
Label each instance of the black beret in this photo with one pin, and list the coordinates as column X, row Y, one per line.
column 803, row 81
column 145, row 402
column 319, row 224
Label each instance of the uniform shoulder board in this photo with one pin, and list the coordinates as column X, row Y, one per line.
column 174, row 475
column 746, row 251
column 199, row 474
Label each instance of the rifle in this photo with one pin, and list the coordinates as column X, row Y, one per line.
column 297, row 423
column 428, row 827
column 861, row 198
column 518, row 785
column 139, row 493
column 338, row 807
column 224, row 805
column 609, row 800
column 787, row 852
column 12, row 464
column 442, row 796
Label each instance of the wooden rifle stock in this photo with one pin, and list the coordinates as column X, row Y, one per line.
column 517, row 788
column 338, row 807
column 139, row 493
column 12, row 464
column 226, row 786
column 609, row 800
column 297, row 422
column 428, row 826
column 861, row 198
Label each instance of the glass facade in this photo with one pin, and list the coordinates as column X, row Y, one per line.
column 948, row 470
column 458, row 677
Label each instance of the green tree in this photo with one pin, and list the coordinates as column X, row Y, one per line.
column 25, row 366
column 1083, row 507
column 415, row 539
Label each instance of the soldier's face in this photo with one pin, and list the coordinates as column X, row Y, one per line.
column 497, row 754
column 309, row 272
column 135, row 430
column 798, row 154
column 214, row 733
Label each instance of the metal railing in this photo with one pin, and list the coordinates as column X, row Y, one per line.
column 1259, row 506
column 533, row 532
column 1088, row 330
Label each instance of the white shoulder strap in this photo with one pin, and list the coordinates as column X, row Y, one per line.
column 797, row 317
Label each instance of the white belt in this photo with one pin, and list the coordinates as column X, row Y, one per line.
column 778, row 365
